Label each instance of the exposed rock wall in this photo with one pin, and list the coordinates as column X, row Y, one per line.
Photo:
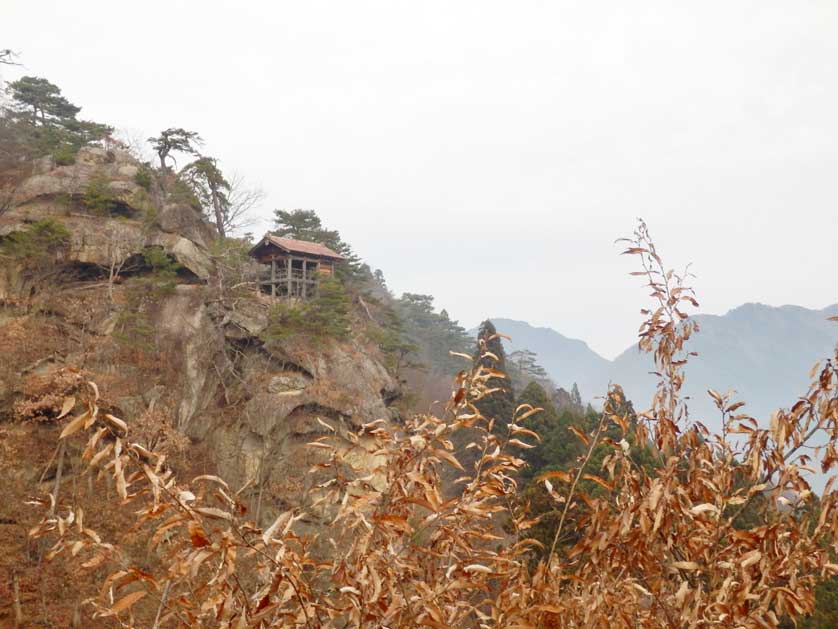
column 254, row 405
column 141, row 220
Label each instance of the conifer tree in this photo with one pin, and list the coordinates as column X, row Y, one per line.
column 328, row 313
column 303, row 225
column 212, row 189
column 523, row 368
column 575, row 396
column 175, row 139
column 43, row 122
column 545, row 423
column 43, row 98
column 306, row 225
column 434, row 334
column 500, row 405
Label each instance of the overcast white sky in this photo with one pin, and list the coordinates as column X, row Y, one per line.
column 489, row 153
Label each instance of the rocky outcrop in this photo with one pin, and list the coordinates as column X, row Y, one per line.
column 101, row 238
column 295, row 391
column 253, row 405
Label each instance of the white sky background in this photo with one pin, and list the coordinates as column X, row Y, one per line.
column 489, row 153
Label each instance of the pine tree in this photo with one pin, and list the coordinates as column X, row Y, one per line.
column 177, row 140
column 500, row 405
column 43, row 98
column 212, row 189
column 545, row 423
column 328, row 313
column 433, row 334
column 306, row 225
column 523, row 368
column 575, row 396
column 45, row 122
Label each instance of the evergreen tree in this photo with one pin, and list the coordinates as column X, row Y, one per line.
column 433, row 334
column 212, row 189
column 500, row 405
column 303, row 225
column 523, row 368
column 399, row 351
column 575, row 396
column 328, row 312
column 175, row 139
column 306, row 225
column 546, row 424
column 43, row 122
column 43, row 98
column 325, row 316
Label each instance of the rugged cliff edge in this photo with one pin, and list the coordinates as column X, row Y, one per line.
column 178, row 353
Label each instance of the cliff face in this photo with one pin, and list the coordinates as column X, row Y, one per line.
column 179, row 349
column 134, row 218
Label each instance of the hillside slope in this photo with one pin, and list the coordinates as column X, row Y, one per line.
column 175, row 350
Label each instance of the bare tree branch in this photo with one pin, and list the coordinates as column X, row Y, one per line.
column 243, row 200
column 8, row 56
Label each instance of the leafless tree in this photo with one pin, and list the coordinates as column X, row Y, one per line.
column 135, row 143
column 243, row 200
column 120, row 249
column 8, row 56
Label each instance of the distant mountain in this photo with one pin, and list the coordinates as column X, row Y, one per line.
column 566, row 360
column 763, row 352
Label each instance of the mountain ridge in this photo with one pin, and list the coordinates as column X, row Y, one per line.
column 763, row 352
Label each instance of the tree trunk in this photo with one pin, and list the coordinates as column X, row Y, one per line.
column 219, row 213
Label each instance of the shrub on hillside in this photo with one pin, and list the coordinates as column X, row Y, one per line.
column 40, row 239
column 144, row 178
column 98, row 196
column 324, row 316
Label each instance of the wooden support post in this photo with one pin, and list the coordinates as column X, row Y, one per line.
column 273, row 277
column 305, row 287
column 288, row 279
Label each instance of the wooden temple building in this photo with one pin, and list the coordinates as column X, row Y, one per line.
column 292, row 268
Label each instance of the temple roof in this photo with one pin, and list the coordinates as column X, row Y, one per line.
column 302, row 247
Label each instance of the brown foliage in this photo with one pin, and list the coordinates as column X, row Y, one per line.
column 48, row 396
column 655, row 547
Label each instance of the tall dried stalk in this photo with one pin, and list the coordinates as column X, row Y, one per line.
column 658, row 546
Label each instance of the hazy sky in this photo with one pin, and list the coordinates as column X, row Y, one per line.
column 489, row 153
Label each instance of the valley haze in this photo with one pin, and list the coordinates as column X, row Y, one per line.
column 539, row 132
column 763, row 352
